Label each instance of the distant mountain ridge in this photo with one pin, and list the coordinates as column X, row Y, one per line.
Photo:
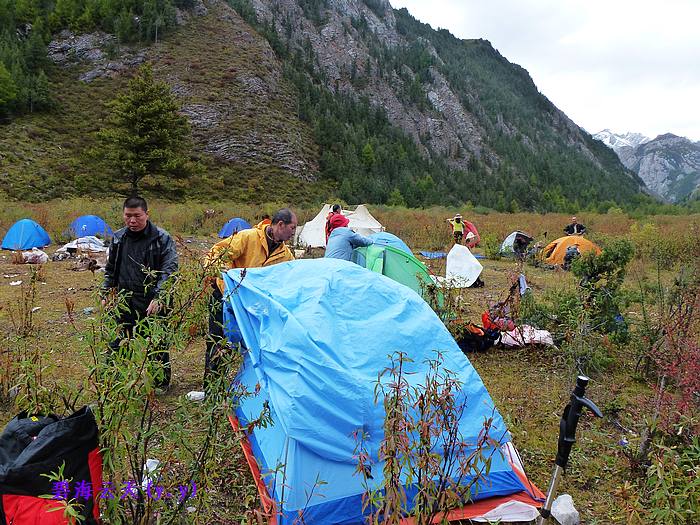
column 669, row 165
column 617, row 141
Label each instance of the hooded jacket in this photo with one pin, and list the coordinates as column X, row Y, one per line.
column 245, row 249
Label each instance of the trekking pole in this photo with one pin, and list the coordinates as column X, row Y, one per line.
column 567, row 438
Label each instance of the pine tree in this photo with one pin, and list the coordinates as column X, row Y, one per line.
column 8, row 90
column 147, row 140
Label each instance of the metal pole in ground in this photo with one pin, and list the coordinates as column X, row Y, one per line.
column 567, row 438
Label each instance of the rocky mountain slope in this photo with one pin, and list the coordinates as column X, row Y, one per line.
column 669, row 165
column 460, row 100
column 301, row 100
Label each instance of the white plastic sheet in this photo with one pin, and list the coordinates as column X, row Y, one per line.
column 462, row 267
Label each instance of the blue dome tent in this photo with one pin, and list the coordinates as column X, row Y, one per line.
column 313, row 361
column 233, row 226
column 25, row 234
column 90, row 225
column 389, row 239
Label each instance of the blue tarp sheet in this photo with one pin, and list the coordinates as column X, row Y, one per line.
column 318, row 333
column 440, row 255
column 433, row 255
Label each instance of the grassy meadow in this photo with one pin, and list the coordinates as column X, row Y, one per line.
column 49, row 320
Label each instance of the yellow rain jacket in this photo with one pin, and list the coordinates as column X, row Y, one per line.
column 245, row 249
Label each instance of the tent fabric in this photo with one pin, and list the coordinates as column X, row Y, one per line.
column 389, row 239
column 233, row 226
column 508, row 245
column 25, row 234
column 555, row 251
column 313, row 233
column 395, row 264
column 462, row 267
column 317, row 382
column 90, row 225
column 469, row 227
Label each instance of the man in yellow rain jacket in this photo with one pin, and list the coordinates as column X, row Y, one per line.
column 263, row 245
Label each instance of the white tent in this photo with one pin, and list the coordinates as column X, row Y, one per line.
column 313, row 232
column 508, row 246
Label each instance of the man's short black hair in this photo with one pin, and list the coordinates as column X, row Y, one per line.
column 285, row 215
column 336, row 208
column 136, row 202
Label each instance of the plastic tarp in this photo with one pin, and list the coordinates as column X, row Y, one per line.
column 314, row 360
column 87, row 244
column 25, row 234
column 389, row 239
column 462, row 267
column 233, row 226
column 433, row 255
column 555, row 251
column 395, row 264
column 90, row 225
column 313, row 233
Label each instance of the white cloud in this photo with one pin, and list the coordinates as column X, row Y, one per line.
column 627, row 65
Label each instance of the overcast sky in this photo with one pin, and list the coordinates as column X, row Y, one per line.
column 625, row 65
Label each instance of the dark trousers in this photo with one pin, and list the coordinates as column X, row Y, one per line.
column 216, row 341
column 128, row 321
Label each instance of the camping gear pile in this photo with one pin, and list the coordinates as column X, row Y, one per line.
column 34, row 446
column 316, row 331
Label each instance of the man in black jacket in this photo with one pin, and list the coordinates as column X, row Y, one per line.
column 141, row 258
column 575, row 228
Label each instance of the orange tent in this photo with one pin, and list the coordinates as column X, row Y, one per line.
column 555, row 251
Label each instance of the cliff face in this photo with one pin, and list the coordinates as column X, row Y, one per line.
column 669, row 165
column 368, row 49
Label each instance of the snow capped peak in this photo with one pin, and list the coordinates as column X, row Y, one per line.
column 617, row 141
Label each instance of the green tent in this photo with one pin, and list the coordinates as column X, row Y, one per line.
column 396, row 264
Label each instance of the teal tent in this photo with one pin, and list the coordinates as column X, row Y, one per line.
column 396, row 264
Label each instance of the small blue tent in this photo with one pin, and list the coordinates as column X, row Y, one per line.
column 389, row 239
column 233, row 226
column 25, row 234
column 90, row 225
column 314, row 361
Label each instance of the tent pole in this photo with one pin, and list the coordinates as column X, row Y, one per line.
column 567, row 438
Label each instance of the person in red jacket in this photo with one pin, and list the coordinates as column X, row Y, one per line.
column 335, row 210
